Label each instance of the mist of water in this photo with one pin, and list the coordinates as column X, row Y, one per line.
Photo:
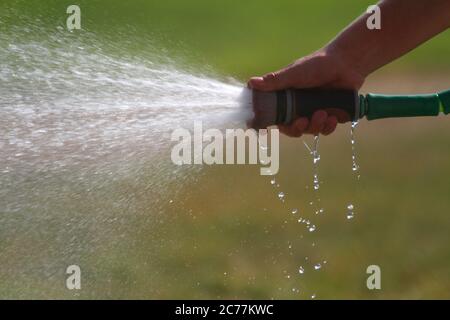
column 84, row 143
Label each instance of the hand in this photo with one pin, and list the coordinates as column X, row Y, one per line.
column 321, row 69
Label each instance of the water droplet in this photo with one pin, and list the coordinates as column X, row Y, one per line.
column 272, row 182
column 281, row 196
column 317, row 266
column 294, row 211
column 350, row 213
column 316, row 159
column 313, row 296
column 301, row 270
column 319, row 211
column 355, row 166
column 312, row 228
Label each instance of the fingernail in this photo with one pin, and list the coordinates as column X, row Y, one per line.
column 255, row 82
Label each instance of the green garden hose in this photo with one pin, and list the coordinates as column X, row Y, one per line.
column 377, row 106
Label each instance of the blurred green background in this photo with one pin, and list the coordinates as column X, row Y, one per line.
column 227, row 235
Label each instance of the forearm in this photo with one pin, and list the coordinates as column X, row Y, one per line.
column 405, row 24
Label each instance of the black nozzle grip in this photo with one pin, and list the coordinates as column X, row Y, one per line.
column 307, row 101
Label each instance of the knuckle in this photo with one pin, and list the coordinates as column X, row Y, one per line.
column 270, row 76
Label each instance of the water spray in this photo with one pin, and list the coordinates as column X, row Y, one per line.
column 283, row 107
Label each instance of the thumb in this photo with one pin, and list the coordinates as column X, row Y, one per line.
column 304, row 73
column 271, row 82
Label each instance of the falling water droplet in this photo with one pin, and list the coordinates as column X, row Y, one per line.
column 272, row 182
column 350, row 212
column 317, row 266
column 316, row 159
column 314, row 151
column 312, row 228
column 301, row 270
column 294, row 211
column 281, row 196
column 355, row 166
column 316, row 182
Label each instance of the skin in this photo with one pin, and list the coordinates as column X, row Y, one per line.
column 354, row 54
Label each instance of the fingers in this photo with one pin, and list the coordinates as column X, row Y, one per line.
column 296, row 129
column 330, row 125
column 256, row 83
column 271, row 82
column 320, row 123
column 289, row 77
column 341, row 115
column 312, row 71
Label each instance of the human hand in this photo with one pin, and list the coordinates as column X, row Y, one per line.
column 322, row 69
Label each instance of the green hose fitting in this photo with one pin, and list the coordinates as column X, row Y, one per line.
column 378, row 106
column 444, row 98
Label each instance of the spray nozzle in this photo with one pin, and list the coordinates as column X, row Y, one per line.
column 283, row 107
